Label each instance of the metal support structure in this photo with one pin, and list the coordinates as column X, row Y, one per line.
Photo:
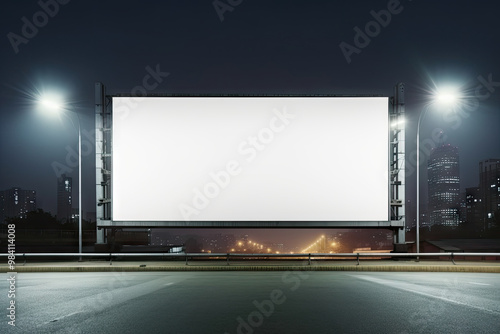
column 397, row 166
column 103, row 160
column 396, row 175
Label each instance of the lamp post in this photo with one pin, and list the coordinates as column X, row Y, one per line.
column 418, row 178
column 79, row 188
column 55, row 105
column 445, row 97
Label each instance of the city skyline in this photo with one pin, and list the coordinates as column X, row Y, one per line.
column 16, row 202
column 64, row 194
column 443, row 167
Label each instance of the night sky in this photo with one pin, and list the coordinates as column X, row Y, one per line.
column 260, row 47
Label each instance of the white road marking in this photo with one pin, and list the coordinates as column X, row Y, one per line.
column 64, row 316
column 411, row 288
column 103, row 300
column 478, row 283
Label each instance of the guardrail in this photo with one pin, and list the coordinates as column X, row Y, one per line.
column 308, row 256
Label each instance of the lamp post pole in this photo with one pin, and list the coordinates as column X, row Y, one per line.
column 79, row 190
column 421, row 116
column 79, row 182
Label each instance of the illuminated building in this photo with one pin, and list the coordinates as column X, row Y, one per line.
column 64, row 198
column 474, row 208
column 444, row 186
column 16, row 203
column 489, row 189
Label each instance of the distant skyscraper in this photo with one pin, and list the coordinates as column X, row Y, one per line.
column 489, row 188
column 74, row 214
column 16, row 202
column 444, row 186
column 463, row 207
column 474, row 208
column 64, row 198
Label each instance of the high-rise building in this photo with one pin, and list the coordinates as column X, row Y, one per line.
column 411, row 215
column 444, row 186
column 489, row 188
column 463, row 207
column 74, row 214
column 64, row 198
column 16, row 203
column 474, row 208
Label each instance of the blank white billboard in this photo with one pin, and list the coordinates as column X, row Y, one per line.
column 244, row 159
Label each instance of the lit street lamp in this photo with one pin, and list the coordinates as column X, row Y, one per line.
column 54, row 104
column 445, row 97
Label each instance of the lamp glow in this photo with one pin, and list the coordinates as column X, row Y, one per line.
column 51, row 103
column 449, row 96
column 398, row 123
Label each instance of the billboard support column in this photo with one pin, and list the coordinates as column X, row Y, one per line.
column 103, row 160
column 397, row 168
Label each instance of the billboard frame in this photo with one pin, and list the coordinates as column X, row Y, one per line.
column 396, row 175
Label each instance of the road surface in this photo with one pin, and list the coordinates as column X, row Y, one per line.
column 253, row 302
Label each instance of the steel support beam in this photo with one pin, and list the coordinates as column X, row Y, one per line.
column 397, row 164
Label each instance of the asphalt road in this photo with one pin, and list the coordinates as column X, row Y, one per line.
column 253, row 302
